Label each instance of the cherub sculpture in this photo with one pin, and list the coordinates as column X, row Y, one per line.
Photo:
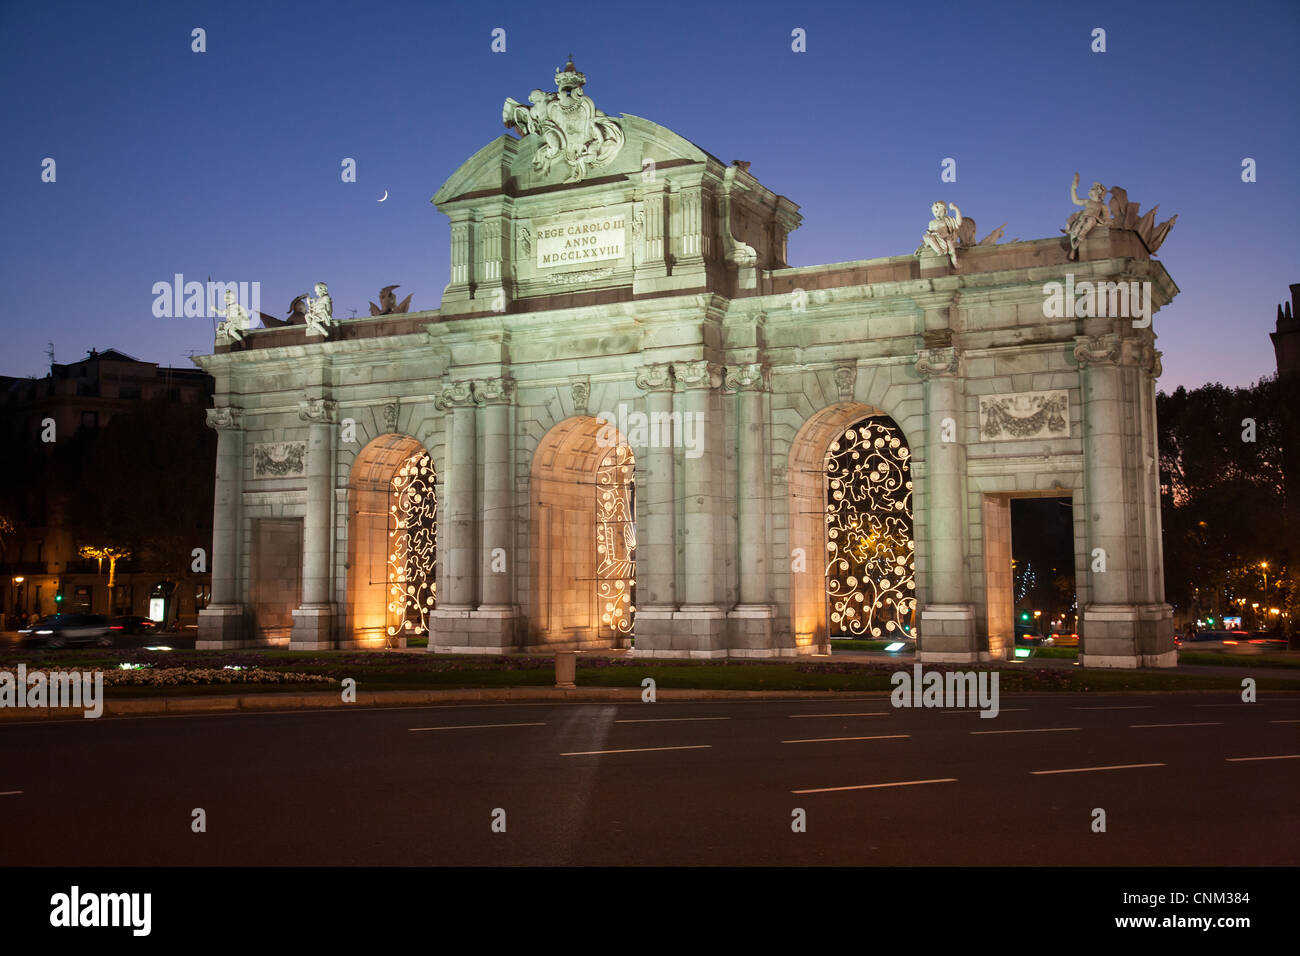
column 944, row 232
column 1094, row 213
column 320, row 311
column 237, row 320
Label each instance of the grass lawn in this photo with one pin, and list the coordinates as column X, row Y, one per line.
column 379, row 670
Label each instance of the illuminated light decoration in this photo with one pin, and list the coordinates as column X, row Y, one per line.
column 870, row 550
column 412, row 551
column 616, row 541
column 896, row 646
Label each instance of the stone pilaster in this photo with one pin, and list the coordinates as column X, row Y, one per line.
column 493, row 621
column 1124, row 622
column 750, row 621
column 699, row 625
column 222, row 623
column 313, row 622
column 947, row 619
column 656, row 519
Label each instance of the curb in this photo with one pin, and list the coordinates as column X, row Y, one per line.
column 216, row 704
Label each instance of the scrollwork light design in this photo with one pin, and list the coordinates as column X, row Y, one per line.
column 412, row 551
column 870, row 550
column 616, row 540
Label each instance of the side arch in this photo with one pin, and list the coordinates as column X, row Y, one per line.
column 807, row 470
column 369, row 514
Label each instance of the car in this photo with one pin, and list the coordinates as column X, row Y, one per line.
column 1027, row 635
column 60, row 630
column 133, row 624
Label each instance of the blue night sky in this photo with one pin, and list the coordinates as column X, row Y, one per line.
column 227, row 163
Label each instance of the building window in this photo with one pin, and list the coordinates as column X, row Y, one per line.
column 130, row 392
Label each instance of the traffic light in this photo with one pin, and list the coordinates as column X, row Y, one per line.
column 58, row 599
column 1024, row 615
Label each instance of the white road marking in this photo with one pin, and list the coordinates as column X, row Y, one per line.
column 10, row 793
column 1118, row 766
column 1242, row 704
column 975, row 710
column 878, row 713
column 1284, row 721
column 634, row 750
column 874, row 786
column 1201, row 723
column 473, row 726
column 1118, row 707
column 1279, row 757
column 1036, row 730
column 827, row 740
column 665, row 720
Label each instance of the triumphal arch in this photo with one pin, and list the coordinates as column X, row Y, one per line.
column 631, row 423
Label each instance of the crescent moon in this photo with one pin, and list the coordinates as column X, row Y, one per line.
column 385, row 195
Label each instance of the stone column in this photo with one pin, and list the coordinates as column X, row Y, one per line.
column 496, row 564
column 313, row 622
column 699, row 623
column 1124, row 622
column 451, row 628
column 948, row 616
column 656, row 519
column 458, row 544
column 221, row 623
column 751, row 619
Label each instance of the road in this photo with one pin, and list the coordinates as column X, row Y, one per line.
column 1198, row 780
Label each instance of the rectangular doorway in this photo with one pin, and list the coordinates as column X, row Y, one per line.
column 1029, row 572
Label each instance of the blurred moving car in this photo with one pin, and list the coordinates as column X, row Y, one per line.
column 133, row 624
column 60, row 630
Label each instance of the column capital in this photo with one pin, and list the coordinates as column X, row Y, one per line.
column 456, row 395
column 753, row 376
column 225, row 418
column 938, row 363
column 1097, row 350
column 494, row 391
column 699, row 374
column 655, row 378
column 321, row 410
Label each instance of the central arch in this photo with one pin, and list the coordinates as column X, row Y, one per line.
column 392, row 536
column 582, row 532
column 851, row 527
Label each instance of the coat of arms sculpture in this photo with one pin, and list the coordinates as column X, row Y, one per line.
column 568, row 124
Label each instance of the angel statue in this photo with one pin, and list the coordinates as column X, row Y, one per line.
column 944, row 232
column 237, row 320
column 1093, row 213
column 320, row 311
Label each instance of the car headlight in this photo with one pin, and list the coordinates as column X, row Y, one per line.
column 44, row 632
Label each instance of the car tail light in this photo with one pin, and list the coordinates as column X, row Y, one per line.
column 115, row 627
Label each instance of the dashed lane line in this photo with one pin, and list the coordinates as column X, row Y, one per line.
column 876, row 786
column 665, row 720
column 634, row 750
column 1118, row 766
column 473, row 726
column 1035, row 730
column 1278, row 757
column 827, row 740
column 1198, row 723
column 875, row 713
column 1119, row 707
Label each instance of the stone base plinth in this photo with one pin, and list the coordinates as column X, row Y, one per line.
column 690, row 632
column 313, row 628
column 1127, row 635
column 483, row 630
column 948, row 635
column 222, row 626
column 749, row 630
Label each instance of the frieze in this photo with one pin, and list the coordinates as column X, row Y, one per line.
column 280, row 459
column 1018, row 416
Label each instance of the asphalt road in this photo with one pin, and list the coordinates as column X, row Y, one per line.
column 1195, row 783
